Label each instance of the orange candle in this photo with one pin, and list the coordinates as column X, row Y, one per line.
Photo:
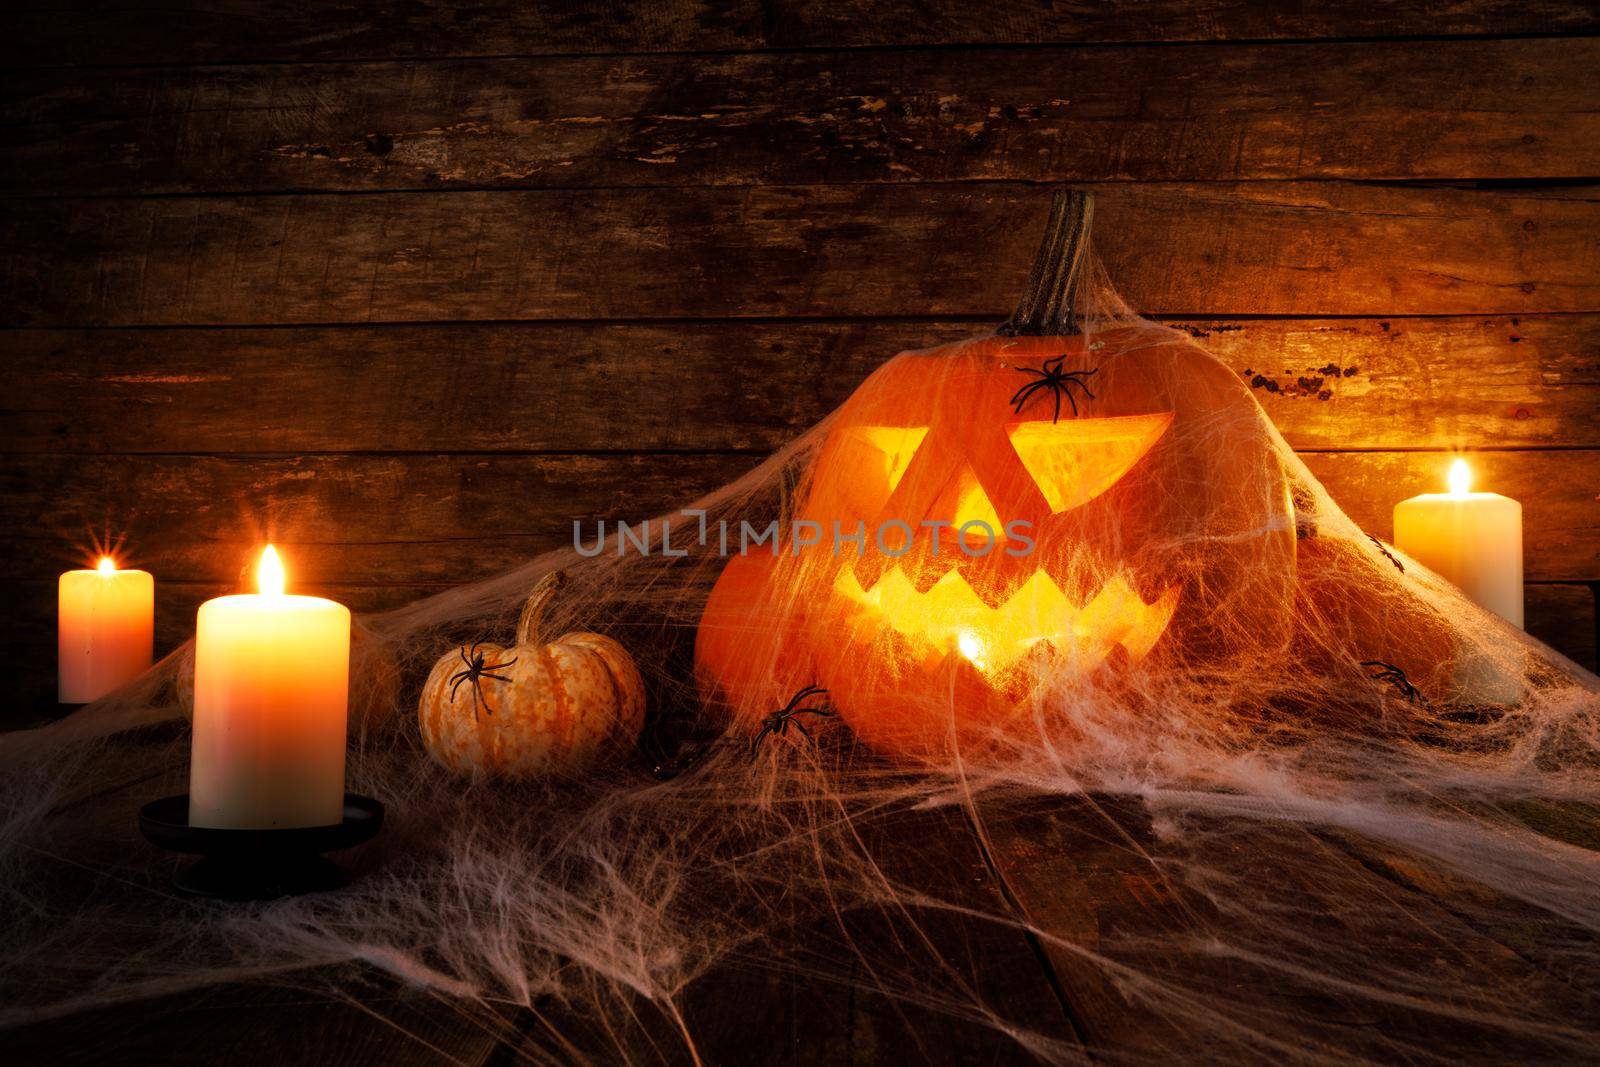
column 271, row 675
column 104, row 630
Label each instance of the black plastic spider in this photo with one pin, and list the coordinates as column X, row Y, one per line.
column 476, row 671
column 1388, row 672
column 1057, row 381
column 778, row 722
column 1401, row 567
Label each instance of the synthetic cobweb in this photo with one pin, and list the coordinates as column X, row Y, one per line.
column 1152, row 752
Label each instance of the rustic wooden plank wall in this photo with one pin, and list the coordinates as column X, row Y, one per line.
column 409, row 286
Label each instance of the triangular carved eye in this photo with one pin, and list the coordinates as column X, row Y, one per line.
column 894, row 444
column 1074, row 461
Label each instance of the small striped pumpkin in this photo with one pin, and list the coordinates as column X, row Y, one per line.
column 533, row 710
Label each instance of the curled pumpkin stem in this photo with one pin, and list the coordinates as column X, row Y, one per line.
column 533, row 610
column 1049, row 306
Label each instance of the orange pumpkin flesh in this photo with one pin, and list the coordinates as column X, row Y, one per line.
column 748, row 655
column 925, row 649
column 1153, row 518
column 544, row 710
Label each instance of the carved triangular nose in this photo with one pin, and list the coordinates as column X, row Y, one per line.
column 964, row 471
column 928, row 543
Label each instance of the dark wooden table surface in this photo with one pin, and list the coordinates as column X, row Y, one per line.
column 1075, row 868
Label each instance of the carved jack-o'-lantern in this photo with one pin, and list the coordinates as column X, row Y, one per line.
column 1036, row 506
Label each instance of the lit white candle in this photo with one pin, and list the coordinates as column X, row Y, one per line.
column 1472, row 539
column 271, row 678
column 104, row 630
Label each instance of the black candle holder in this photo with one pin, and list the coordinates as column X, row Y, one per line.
column 258, row 864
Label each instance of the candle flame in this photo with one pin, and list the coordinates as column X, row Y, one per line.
column 269, row 576
column 107, row 565
column 1460, row 478
column 971, row 646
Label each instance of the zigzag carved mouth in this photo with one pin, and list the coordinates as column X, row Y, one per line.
column 950, row 616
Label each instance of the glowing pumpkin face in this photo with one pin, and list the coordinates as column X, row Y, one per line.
column 1094, row 516
column 943, row 499
column 1034, row 509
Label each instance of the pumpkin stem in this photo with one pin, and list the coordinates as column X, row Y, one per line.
column 533, row 610
column 1049, row 305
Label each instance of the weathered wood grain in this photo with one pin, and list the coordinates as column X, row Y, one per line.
column 362, row 519
column 251, row 1025
column 1560, row 508
column 1081, row 870
column 1398, row 383
column 1470, row 109
column 1395, row 383
column 54, row 33
column 1259, row 248
column 450, row 518
column 1514, row 368
column 1090, row 848
column 1511, row 931
column 879, row 983
column 748, row 1008
column 601, row 387
column 1565, row 618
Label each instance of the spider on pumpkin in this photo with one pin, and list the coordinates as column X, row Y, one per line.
column 1388, row 672
column 1057, row 381
column 778, row 722
column 476, row 671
